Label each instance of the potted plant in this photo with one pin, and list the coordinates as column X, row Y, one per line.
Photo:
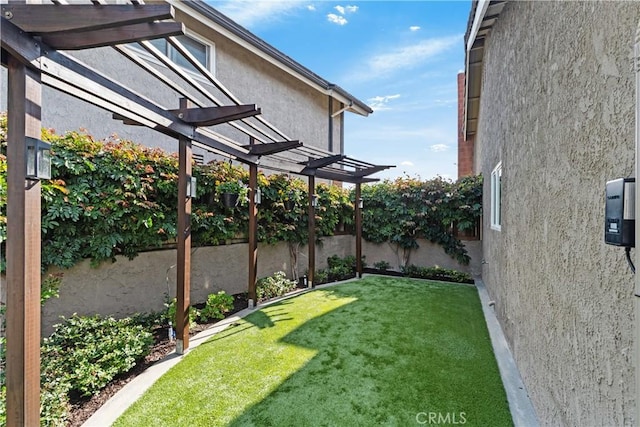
column 233, row 193
column 291, row 200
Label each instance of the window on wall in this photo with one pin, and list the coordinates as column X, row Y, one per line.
column 496, row 192
column 202, row 51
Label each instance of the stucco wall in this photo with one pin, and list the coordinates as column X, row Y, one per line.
column 141, row 285
column 427, row 255
column 557, row 109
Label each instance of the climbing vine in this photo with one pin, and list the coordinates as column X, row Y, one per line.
column 116, row 197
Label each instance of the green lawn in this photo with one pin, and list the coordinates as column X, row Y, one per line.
column 378, row 351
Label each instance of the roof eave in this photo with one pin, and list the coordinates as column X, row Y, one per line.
column 232, row 30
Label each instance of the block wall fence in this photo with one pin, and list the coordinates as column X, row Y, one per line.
column 141, row 285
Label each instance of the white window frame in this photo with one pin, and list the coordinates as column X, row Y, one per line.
column 211, row 54
column 496, row 197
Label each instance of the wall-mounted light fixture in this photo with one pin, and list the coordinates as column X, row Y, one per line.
column 314, row 200
column 360, row 203
column 38, row 155
column 257, row 196
column 191, row 187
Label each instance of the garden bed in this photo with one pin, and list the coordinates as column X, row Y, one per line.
column 82, row 408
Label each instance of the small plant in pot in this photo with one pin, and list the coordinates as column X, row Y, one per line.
column 291, row 200
column 233, row 193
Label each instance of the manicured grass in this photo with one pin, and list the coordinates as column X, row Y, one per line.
column 378, row 351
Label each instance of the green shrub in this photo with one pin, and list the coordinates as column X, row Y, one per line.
column 170, row 315
column 341, row 268
column 382, row 265
column 274, row 286
column 437, row 273
column 217, row 305
column 320, row 277
column 88, row 352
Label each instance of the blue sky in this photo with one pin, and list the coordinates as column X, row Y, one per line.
column 400, row 57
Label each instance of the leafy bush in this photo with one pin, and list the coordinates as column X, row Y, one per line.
column 217, row 305
column 320, row 277
column 88, row 352
column 437, row 273
column 170, row 315
column 54, row 400
column 342, row 268
column 274, row 286
column 382, row 265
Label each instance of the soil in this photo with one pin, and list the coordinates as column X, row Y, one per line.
column 83, row 408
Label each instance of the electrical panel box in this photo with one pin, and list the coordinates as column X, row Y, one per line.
column 620, row 212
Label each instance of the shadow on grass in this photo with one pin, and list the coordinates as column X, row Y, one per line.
column 398, row 349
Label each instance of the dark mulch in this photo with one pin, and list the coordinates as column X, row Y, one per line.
column 83, row 408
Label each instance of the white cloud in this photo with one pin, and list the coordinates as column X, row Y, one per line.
column 311, row 8
column 439, row 148
column 406, row 57
column 335, row 19
column 346, row 9
column 380, row 103
column 252, row 13
column 414, row 28
column 406, row 163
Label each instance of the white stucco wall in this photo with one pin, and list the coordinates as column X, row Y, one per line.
column 557, row 109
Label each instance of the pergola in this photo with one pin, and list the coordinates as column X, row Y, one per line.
column 32, row 39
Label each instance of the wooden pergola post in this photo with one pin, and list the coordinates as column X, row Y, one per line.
column 253, row 233
column 312, row 231
column 183, row 281
column 23, row 249
column 358, row 211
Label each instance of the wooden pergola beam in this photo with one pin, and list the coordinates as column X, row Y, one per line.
column 183, row 269
column 210, row 116
column 71, row 76
column 272, row 147
column 322, row 162
column 41, row 19
column 111, row 36
column 342, row 176
column 312, row 231
column 358, row 213
column 369, row 171
column 253, row 235
column 23, row 250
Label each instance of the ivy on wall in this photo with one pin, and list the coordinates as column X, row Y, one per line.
column 116, row 197
column 402, row 211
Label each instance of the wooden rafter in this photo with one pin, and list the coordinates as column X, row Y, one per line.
column 71, row 76
column 272, row 147
column 111, row 36
column 209, row 116
column 345, row 176
column 313, row 164
column 42, row 19
column 369, row 171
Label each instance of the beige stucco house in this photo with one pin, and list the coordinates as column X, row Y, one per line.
column 294, row 99
column 549, row 114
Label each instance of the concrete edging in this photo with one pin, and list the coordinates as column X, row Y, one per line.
column 520, row 405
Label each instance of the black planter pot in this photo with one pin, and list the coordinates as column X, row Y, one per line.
column 289, row 205
column 229, row 199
